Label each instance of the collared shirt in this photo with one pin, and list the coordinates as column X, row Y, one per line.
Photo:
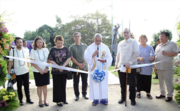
column 39, row 55
column 168, row 47
column 128, row 51
column 77, row 52
column 20, row 67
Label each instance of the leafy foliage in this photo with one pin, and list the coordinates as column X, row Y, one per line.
column 87, row 25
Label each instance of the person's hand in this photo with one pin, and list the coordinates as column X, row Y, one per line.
column 81, row 66
column 8, row 76
column 141, row 59
column 46, row 70
column 60, row 70
column 164, row 53
column 151, row 58
column 41, row 72
column 116, row 67
column 95, row 53
column 127, row 65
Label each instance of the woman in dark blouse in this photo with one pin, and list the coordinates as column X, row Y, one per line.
column 59, row 55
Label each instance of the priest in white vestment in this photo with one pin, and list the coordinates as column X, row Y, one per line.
column 99, row 59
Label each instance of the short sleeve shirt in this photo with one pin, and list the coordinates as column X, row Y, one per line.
column 167, row 47
column 77, row 52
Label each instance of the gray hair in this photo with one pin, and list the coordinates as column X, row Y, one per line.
column 77, row 33
column 98, row 35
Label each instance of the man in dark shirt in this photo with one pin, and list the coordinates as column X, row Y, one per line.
column 77, row 51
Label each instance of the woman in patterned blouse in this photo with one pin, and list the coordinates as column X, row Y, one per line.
column 59, row 55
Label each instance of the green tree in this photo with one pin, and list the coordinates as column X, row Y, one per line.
column 49, row 31
column 30, row 35
column 88, row 25
column 46, row 35
column 120, row 38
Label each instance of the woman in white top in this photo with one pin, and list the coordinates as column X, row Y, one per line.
column 41, row 72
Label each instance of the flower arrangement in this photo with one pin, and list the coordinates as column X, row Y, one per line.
column 8, row 100
column 98, row 76
column 5, row 40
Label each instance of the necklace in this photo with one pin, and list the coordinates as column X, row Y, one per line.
column 42, row 60
column 19, row 57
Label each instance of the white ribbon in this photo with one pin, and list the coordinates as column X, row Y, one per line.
column 143, row 65
column 49, row 65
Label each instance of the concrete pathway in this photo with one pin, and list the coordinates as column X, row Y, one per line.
column 143, row 104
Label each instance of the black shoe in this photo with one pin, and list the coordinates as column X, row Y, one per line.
column 133, row 102
column 156, row 77
column 85, row 97
column 46, row 104
column 76, row 98
column 29, row 101
column 65, row 102
column 41, row 105
column 121, row 101
column 21, row 103
column 59, row 104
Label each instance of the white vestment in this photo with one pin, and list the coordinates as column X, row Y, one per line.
column 98, row 90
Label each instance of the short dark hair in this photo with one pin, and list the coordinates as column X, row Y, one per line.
column 77, row 33
column 157, row 39
column 165, row 33
column 17, row 38
column 24, row 41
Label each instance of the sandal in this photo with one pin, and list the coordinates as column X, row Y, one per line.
column 139, row 95
column 149, row 96
column 95, row 102
column 104, row 101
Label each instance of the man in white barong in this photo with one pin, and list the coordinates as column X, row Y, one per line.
column 98, row 58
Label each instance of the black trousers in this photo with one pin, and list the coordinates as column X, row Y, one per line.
column 131, row 81
column 59, row 87
column 84, row 78
column 23, row 80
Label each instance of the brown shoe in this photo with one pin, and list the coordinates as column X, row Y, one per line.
column 160, row 96
column 168, row 99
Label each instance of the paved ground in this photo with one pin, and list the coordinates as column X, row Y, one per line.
column 143, row 104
